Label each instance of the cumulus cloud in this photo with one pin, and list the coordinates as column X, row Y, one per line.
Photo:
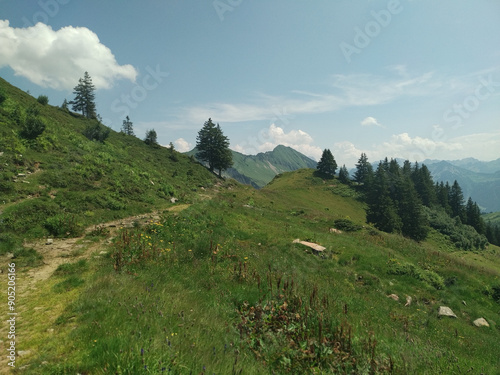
column 269, row 138
column 57, row 59
column 371, row 121
column 182, row 145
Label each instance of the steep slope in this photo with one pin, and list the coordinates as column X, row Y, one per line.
column 61, row 181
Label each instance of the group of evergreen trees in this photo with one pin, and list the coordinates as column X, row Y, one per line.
column 396, row 196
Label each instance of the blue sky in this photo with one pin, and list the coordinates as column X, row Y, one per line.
column 412, row 78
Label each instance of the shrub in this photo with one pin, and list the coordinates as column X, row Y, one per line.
column 33, row 125
column 346, row 225
column 43, row 99
column 63, row 225
column 96, row 132
column 396, row 267
column 28, row 216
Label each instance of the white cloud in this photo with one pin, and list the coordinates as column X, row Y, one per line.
column 351, row 90
column 482, row 146
column 270, row 138
column 369, row 121
column 57, row 59
column 182, row 145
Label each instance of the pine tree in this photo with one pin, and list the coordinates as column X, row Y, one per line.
column 213, row 147
column 424, row 185
column 381, row 209
column 364, row 172
column 128, row 127
column 84, row 97
column 344, row 175
column 456, row 201
column 327, row 165
column 473, row 216
column 151, row 138
column 415, row 224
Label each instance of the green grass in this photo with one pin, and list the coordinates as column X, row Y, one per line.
column 201, row 275
column 220, row 287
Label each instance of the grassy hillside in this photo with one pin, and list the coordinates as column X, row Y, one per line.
column 62, row 182
column 221, row 288
column 218, row 284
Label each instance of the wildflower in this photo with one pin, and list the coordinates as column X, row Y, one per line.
column 142, row 351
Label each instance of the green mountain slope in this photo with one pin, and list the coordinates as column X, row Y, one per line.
column 222, row 288
column 258, row 170
column 61, row 181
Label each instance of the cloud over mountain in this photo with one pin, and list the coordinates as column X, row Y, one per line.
column 57, row 59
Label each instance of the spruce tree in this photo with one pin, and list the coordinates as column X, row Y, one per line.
column 84, row 97
column 364, row 172
column 381, row 209
column 327, row 165
column 213, row 147
column 151, row 138
column 456, row 201
column 415, row 224
column 128, row 127
column 473, row 216
column 344, row 175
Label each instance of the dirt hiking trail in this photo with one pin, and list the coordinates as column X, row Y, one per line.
column 55, row 252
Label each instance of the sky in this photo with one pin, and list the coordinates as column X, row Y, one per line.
column 412, row 79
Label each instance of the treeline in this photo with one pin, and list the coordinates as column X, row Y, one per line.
column 405, row 199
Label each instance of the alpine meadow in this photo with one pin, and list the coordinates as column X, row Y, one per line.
column 241, row 187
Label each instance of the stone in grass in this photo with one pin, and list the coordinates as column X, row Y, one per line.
column 394, row 297
column 446, row 311
column 481, row 322
column 22, row 353
column 50, row 241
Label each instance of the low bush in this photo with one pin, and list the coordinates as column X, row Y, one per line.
column 63, row 225
column 346, row 225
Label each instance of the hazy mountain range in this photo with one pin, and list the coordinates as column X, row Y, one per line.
column 478, row 179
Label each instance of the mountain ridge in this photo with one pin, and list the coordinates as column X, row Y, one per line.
column 258, row 170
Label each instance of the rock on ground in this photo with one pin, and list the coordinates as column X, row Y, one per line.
column 481, row 322
column 446, row 311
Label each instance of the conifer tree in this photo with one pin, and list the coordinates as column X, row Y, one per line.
column 456, row 201
column 128, row 126
column 381, row 209
column 415, row 224
column 151, row 138
column 327, row 165
column 213, row 147
column 473, row 216
column 84, row 97
column 344, row 175
column 424, row 185
column 364, row 172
